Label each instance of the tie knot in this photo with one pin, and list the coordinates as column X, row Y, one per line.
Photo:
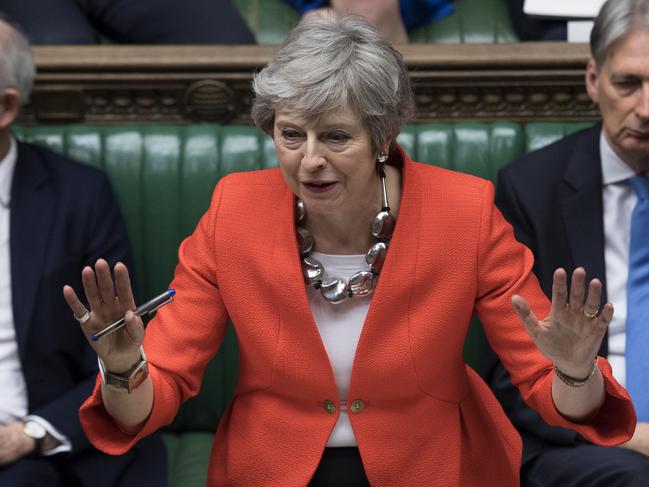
column 640, row 185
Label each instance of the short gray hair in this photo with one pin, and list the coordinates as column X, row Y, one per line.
column 616, row 18
column 329, row 63
column 16, row 65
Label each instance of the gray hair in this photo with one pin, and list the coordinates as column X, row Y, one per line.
column 616, row 19
column 16, row 66
column 328, row 63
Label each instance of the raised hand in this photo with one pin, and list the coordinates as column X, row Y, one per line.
column 571, row 335
column 108, row 302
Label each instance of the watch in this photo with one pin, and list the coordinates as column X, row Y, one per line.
column 36, row 432
column 129, row 380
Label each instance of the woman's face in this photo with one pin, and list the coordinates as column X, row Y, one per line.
column 329, row 166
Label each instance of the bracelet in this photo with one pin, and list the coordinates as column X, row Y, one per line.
column 129, row 380
column 573, row 382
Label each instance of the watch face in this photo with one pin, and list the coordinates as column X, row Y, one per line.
column 34, row 430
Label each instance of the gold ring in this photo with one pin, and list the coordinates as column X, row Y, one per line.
column 590, row 315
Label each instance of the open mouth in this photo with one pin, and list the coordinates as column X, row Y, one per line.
column 320, row 187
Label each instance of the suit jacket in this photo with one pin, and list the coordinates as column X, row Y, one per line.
column 553, row 198
column 63, row 217
column 428, row 418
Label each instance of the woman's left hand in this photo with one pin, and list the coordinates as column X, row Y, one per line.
column 572, row 334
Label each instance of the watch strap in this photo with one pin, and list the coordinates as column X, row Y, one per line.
column 36, row 432
column 129, row 380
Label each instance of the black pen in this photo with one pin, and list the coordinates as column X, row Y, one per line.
column 143, row 310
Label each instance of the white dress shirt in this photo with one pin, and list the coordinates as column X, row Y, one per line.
column 13, row 406
column 618, row 200
column 14, row 403
column 340, row 327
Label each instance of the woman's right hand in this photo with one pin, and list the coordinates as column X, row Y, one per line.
column 108, row 303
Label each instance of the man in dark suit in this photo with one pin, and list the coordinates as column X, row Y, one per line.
column 128, row 21
column 56, row 216
column 572, row 203
column 535, row 29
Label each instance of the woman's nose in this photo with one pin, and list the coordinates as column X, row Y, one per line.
column 314, row 158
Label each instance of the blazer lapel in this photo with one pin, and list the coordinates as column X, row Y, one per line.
column 32, row 207
column 295, row 311
column 582, row 209
column 399, row 266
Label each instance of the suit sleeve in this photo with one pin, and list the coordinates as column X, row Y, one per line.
column 179, row 342
column 106, row 237
column 505, row 268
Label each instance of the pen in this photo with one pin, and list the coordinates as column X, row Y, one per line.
column 142, row 310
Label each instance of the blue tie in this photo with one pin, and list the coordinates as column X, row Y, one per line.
column 637, row 320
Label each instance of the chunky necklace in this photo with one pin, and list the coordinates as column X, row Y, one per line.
column 361, row 283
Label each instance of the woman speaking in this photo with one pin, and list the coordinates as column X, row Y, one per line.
column 351, row 274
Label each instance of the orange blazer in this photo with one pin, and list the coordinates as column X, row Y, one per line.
column 428, row 418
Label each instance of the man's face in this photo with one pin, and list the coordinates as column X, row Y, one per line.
column 621, row 89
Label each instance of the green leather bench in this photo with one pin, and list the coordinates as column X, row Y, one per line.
column 164, row 176
column 474, row 21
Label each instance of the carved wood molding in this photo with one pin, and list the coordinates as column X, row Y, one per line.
column 182, row 84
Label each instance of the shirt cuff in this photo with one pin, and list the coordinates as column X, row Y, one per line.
column 64, row 444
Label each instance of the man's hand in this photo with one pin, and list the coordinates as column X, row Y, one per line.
column 640, row 440
column 14, row 444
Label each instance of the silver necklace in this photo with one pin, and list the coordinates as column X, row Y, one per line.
column 362, row 283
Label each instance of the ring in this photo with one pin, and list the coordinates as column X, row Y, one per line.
column 83, row 318
column 590, row 315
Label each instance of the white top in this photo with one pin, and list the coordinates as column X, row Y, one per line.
column 13, row 406
column 619, row 199
column 14, row 403
column 579, row 30
column 562, row 8
column 340, row 327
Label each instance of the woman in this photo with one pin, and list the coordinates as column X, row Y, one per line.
column 352, row 361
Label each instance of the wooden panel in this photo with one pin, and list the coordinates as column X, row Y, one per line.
column 182, row 84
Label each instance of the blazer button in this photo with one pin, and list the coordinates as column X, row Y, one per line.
column 330, row 406
column 357, row 406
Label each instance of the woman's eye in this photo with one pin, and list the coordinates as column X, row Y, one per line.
column 338, row 137
column 289, row 134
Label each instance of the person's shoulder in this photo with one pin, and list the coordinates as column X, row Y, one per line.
column 60, row 166
column 270, row 179
column 237, row 191
column 442, row 189
column 444, row 179
column 550, row 160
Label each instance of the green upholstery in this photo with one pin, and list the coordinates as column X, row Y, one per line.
column 164, row 176
column 474, row 21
